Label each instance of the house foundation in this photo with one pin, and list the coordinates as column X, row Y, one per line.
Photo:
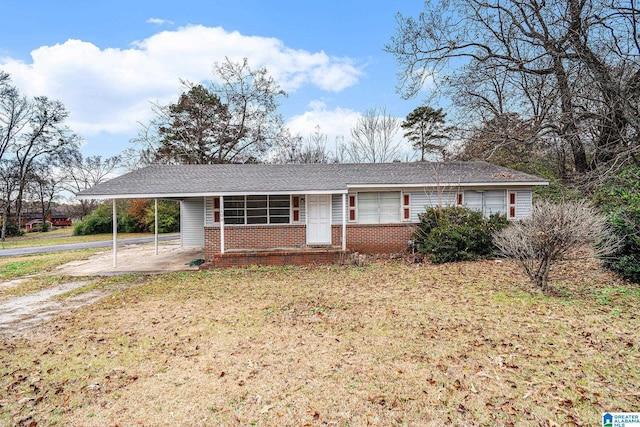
column 286, row 244
column 276, row 257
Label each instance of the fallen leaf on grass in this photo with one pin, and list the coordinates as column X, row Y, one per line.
column 265, row 409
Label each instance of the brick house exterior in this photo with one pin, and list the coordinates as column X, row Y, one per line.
column 242, row 214
column 365, row 238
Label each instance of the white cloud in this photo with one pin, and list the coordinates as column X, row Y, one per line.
column 108, row 90
column 335, row 124
column 159, row 21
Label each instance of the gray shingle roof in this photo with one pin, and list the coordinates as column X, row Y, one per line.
column 196, row 180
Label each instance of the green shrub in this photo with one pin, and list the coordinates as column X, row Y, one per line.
column 126, row 224
column 625, row 223
column 97, row 222
column 12, row 229
column 101, row 219
column 168, row 217
column 619, row 199
column 456, row 234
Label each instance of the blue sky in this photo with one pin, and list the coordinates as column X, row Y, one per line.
column 107, row 60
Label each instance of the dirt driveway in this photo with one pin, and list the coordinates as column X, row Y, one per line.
column 23, row 313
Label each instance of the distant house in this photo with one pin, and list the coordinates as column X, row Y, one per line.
column 34, row 219
column 36, row 225
column 263, row 213
column 60, row 220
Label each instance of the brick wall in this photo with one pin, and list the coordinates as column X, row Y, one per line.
column 364, row 238
column 378, row 238
column 211, row 242
column 301, row 257
column 254, row 237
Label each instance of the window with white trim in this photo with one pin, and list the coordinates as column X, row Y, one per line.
column 269, row 209
column 379, row 207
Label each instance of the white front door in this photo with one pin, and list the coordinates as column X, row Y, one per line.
column 319, row 219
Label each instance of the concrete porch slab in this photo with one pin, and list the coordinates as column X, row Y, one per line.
column 135, row 259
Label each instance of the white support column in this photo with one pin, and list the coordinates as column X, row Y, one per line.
column 155, row 228
column 181, row 224
column 115, row 235
column 221, row 224
column 344, row 222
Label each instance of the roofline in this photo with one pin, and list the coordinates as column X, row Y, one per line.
column 452, row 185
column 301, row 192
column 207, row 194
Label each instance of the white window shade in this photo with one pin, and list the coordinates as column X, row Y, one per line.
column 389, row 205
column 374, row 208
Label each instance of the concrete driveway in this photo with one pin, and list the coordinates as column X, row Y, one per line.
column 135, row 259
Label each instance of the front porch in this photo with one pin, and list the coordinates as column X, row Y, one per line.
column 276, row 257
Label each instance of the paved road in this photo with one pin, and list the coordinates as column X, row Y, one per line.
column 84, row 245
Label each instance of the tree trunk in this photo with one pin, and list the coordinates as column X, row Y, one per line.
column 568, row 128
column 5, row 217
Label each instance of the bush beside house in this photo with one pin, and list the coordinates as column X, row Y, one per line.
column 449, row 234
column 619, row 199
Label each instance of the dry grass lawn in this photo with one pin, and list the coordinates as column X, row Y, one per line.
column 384, row 345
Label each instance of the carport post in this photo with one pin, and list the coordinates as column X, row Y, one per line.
column 344, row 222
column 156, row 225
column 221, row 224
column 115, row 235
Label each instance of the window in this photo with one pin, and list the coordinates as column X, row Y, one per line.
column 234, row 210
column 257, row 209
column 460, row 199
column 379, row 207
column 512, row 204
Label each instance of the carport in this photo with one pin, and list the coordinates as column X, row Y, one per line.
column 188, row 245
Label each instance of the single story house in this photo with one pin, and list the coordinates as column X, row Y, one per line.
column 36, row 224
column 255, row 213
column 55, row 219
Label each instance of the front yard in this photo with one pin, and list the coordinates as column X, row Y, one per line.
column 385, row 344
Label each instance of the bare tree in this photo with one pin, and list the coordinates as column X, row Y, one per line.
column 373, row 139
column 32, row 134
column 253, row 98
column 14, row 113
column 46, row 184
column 553, row 233
column 45, row 138
column 9, row 180
column 312, row 149
column 82, row 173
column 583, row 54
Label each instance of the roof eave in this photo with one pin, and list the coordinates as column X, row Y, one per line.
column 500, row 184
column 201, row 194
